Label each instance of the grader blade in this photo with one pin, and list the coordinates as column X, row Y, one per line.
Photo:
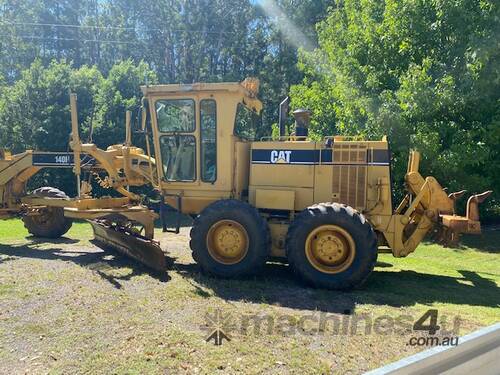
column 129, row 243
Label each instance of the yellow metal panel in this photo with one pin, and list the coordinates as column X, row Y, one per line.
column 241, row 168
column 192, row 205
column 373, row 204
column 275, row 199
column 284, row 145
column 286, row 175
column 15, row 166
column 282, row 175
column 323, row 184
column 303, row 196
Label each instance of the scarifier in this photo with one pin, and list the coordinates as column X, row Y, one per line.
column 325, row 206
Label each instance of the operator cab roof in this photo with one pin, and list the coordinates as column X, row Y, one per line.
column 248, row 89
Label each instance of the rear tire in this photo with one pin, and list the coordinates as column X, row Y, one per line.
column 331, row 246
column 230, row 239
column 51, row 222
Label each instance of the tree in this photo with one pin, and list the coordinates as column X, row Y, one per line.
column 119, row 91
column 425, row 73
column 35, row 114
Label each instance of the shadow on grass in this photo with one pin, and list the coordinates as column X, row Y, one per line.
column 97, row 261
column 278, row 286
column 275, row 285
column 488, row 242
column 405, row 288
column 60, row 240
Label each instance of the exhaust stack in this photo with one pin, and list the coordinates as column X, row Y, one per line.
column 283, row 112
column 302, row 122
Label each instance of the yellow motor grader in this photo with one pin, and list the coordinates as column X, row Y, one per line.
column 325, row 206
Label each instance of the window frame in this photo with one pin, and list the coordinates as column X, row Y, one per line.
column 179, row 134
column 202, row 165
column 160, row 130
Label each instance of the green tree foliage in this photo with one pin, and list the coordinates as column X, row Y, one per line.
column 34, row 112
column 426, row 73
column 181, row 40
column 120, row 91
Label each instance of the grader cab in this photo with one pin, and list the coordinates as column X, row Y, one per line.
column 325, row 206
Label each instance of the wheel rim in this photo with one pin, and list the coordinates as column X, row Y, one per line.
column 330, row 249
column 227, row 242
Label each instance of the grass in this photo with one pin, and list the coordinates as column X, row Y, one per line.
column 68, row 307
column 13, row 229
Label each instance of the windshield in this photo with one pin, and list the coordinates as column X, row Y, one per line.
column 175, row 115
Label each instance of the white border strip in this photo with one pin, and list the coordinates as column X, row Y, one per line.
column 476, row 353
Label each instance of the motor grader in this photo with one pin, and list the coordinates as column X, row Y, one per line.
column 325, row 206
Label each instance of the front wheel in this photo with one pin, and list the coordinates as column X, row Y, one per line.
column 332, row 246
column 229, row 238
column 49, row 222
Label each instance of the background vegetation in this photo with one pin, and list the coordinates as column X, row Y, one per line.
column 426, row 73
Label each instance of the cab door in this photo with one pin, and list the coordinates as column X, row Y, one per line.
column 187, row 140
column 176, row 124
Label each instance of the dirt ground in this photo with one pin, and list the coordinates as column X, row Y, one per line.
column 68, row 307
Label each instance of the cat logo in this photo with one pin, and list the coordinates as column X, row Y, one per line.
column 281, row 157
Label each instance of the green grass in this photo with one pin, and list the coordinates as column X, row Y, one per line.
column 13, row 229
column 67, row 307
column 460, row 281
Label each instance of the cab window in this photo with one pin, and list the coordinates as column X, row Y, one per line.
column 208, row 122
column 176, row 118
column 247, row 123
column 178, row 157
column 175, row 115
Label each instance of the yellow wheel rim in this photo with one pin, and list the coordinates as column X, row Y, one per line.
column 227, row 242
column 330, row 249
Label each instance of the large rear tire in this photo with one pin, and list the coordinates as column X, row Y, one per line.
column 331, row 246
column 50, row 223
column 230, row 239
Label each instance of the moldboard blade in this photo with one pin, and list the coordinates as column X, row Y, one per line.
column 142, row 249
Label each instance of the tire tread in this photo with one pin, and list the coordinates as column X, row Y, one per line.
column 197, row 242
column 367, row 236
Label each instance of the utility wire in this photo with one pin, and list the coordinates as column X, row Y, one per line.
column 73, row 39
column 92, row 27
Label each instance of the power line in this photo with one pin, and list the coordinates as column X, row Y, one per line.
column 117, row 28
column 74, row 39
